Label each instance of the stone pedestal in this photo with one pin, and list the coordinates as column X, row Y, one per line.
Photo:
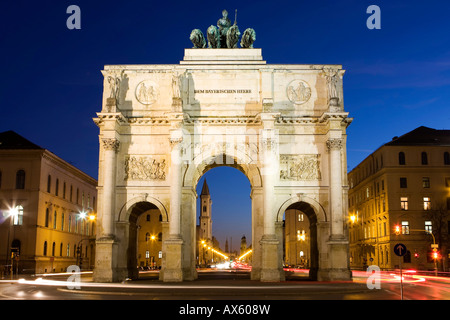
column 105, row 271
column 338, row 260
column 173, row 271
column 270, row 271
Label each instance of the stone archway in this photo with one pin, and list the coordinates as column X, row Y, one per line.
column 239, row 161
column 163, row 126
column 313, row 237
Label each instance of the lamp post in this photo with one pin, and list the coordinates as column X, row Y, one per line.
column 13, row 213
column 90, row 217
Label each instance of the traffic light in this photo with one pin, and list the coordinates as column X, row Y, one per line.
column 435, row 254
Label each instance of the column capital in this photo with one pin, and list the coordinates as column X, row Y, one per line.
column 334, row 144
column 111, row 144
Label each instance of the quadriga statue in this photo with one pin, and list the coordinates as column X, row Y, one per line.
column 197, row 38
column 224, row 35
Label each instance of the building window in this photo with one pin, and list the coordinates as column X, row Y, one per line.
column 446, row 158
column 45, row 248
column 148, row 217
column 403, row 183
column 20, row 179
column 18, row 216
column 62, row 221
column 68, row 250
column 405, row 227
column 54, row 219
column 424, row 158
column 49, row 183
column 147, row 254
column 426, row 203
column 56, row 187
column 428, row 226
column 53, row 249
column 401, row 158
column 425, row 182
column 300, row 217
column 64, row 190
column 404, row 203
column 47, row 214
column 70, row 223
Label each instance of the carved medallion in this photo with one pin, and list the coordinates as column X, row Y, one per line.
column 147, row 92
column 300, row 167
column 298, row 91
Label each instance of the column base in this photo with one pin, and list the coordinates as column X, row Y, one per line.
column 172, row 271
column 105, row 254
column 339, row 267
column 271, row 267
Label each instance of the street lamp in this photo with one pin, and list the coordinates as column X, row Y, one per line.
column 13, row 213
column 90, row 216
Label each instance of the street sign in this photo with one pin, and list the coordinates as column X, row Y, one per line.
column 400, row 249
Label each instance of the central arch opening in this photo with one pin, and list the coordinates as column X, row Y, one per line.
column 224, row 220
column 300, row 247
column 144, row 238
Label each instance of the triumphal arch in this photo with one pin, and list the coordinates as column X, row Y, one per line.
column 163, row 126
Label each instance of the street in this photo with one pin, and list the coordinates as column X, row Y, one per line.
column 226, row 285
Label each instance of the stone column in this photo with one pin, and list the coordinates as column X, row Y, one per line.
column 337, row 216
column 106, row 246
column 173, row 263
column 110, row 147
column 270, row 264
column 339, row 268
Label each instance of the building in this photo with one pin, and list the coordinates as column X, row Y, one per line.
column 204, row 228
column 403, row 186
column 297, row 239
column 47, row 208
column 149, row 235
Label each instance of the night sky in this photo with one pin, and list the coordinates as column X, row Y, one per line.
column 397, row 78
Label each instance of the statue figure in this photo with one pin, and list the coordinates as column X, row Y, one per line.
column 213, row 36
column 233, row 36
column 331, row 76
column 197, row 38
column 248, row 38
column 223, row 23
column 176, row 85
column 114, row 85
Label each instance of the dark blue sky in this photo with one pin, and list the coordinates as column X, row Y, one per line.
column 397, row 79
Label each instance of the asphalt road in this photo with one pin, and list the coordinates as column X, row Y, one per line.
column 226, row 286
